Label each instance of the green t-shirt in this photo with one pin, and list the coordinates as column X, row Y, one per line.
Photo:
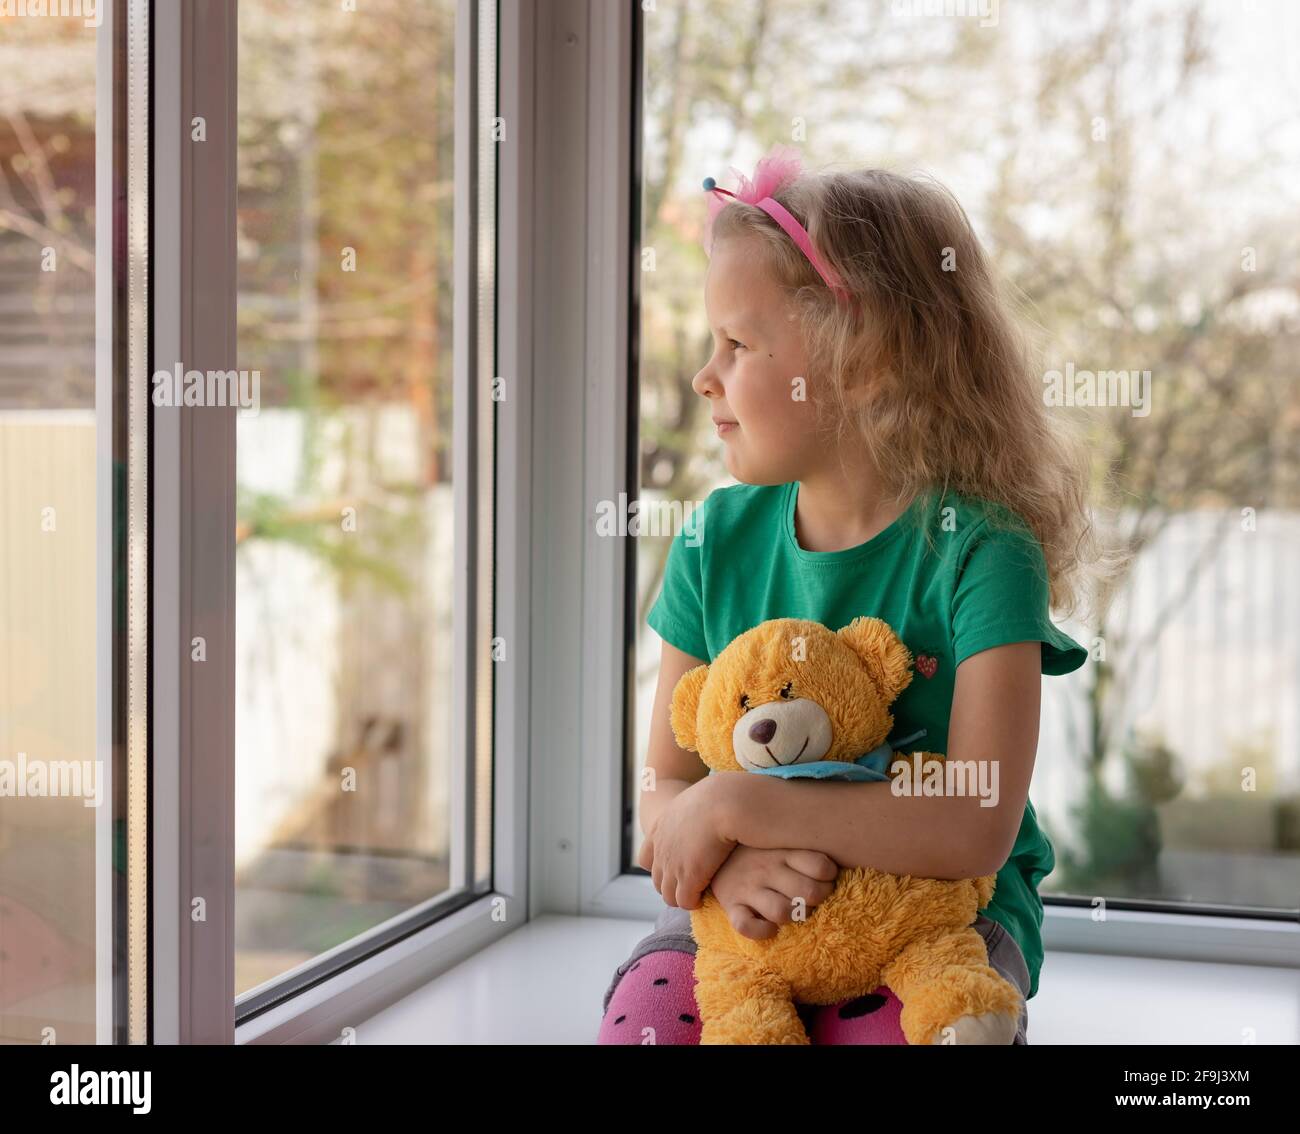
column 981, row 582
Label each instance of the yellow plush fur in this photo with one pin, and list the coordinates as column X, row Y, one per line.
column 913, row 934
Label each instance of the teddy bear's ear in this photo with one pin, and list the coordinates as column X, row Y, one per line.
column 984, row 889
column 888, row 662
column 686, row 706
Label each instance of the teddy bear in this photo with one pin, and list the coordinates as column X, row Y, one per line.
column 793, row 698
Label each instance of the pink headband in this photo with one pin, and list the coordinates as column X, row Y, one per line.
column 781, row 166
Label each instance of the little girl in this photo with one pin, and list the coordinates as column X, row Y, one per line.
column 895, row 458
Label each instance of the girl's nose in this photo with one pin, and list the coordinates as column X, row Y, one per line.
column 704, row 382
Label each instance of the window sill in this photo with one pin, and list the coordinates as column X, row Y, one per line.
column 543, row 984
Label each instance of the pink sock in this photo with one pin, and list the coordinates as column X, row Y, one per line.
column 654, row 1002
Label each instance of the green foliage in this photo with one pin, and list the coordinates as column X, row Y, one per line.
column 1120, row 833
column 1120, row 841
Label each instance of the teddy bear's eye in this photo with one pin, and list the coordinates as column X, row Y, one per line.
column 787, row 690
column 744, row 700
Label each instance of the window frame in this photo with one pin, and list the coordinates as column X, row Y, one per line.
column 112, row 440
column 314, row 1003
column 1137, row 928
column 183, row 305
column 581, row 275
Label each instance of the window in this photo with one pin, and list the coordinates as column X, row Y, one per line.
column 355, row 805
column 1145, row 200
column 48, row 435
column 351, row 704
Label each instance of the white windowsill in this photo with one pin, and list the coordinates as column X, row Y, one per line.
column 543, row 984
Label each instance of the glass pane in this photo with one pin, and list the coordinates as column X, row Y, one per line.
column 350, row 799
column 1146, row 202
column 52, row 796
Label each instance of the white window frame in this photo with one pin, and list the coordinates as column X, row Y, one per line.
column 186, row 243
column 322, row 1010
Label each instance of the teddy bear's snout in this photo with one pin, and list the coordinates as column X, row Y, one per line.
column 782, row 732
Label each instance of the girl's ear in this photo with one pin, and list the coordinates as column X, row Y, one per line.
column 685, row 708
column 887, row 661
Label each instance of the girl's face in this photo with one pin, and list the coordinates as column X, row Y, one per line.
column 757, row 376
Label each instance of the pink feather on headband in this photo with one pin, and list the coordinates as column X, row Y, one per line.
column 781, row 165
column 775, row 170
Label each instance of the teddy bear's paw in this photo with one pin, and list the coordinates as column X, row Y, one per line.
column 988, row 1030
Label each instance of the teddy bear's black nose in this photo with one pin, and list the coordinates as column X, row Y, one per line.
column 762, row 731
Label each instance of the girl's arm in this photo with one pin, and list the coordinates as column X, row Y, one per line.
column 994, row 717
column 762, row 883
column 670, row 769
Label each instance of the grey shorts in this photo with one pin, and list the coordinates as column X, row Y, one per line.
column 673, row 931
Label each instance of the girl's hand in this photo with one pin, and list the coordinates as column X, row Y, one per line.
column 685, row 847
column 760, row 888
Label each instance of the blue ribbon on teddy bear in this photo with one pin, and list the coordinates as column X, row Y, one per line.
column 873, row 766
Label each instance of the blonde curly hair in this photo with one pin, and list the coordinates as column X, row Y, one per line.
column 953, row 398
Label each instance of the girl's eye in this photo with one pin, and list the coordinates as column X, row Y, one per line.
column 787, row 690
column 744, row 700
column 734, row 343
